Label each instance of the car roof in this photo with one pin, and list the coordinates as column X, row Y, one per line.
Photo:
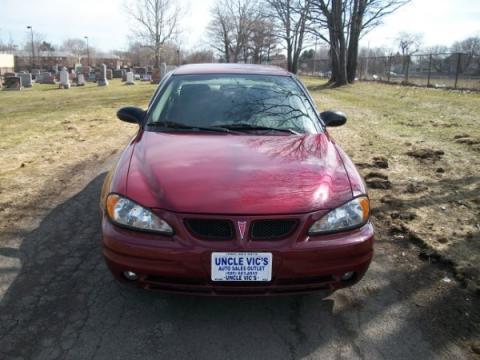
column 194, row 69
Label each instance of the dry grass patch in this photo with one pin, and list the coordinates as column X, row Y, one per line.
column 430, row 139
column 49, row 135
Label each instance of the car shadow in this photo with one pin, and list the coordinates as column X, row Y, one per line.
column 64, row 304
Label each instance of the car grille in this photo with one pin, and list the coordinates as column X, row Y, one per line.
column 272, row 229
column 210, row 229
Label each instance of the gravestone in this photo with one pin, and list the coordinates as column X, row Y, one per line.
column 129, row 78
column 102, row 80
column 80, row 80
column 8, row 74
column 109, row 74
column 124, row 75
column 147, row 77
column 64, row 79
column 117, row 74
column 92, row 77
column 156, row 76
column 26, row 79
column 163, row 70
column 12, row 83
column 34, row 73
column 45, row 78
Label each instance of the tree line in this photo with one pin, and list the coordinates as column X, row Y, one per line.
column 248, row 30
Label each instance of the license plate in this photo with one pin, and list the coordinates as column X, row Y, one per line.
column 228, row 266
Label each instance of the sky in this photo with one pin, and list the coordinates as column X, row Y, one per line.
column 108, row 25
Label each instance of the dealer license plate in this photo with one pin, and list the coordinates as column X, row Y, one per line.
column 229, row 266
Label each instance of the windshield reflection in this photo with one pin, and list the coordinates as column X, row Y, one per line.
column 222, row 100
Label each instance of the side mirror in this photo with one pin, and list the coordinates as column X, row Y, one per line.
column 333, row 118
column 132, row 114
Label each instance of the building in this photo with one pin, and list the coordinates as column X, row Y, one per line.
column 43, row 60
column 7, row 63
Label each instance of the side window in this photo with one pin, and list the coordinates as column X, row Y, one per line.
column 161, row 105
column 162, row 82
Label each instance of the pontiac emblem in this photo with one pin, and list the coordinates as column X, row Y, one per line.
column 242, row 225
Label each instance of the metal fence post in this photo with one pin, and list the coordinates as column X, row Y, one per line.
column 429, row 69
column 457, row 71
column 389, row 68
column 407, row 69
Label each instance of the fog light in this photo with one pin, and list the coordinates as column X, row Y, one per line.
column 348, row 276
column 130, row 275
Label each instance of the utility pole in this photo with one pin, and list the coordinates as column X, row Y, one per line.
column 88, row 52
column 33, row 47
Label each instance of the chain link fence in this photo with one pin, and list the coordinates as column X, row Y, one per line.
column 445, row 70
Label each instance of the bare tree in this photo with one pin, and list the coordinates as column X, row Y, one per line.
column 76, row 47
column 157, row 22
column 231, row 26
column 342, row 23
column 470, row 52
column 291, row 20
column 409, row 43
column 199, row 56
column 262, row 40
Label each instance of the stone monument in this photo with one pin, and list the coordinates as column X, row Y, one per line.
column 12, row 83
column 64, row 79
column 80, row 79
column 130, row 80
column 102, row 80
column 26, row 79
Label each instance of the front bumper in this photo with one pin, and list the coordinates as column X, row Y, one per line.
column 182, row 265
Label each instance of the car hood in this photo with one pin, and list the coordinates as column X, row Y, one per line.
column 237, row 174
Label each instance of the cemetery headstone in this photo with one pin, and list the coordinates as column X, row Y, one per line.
column 45, row 78
column 156, row 76
column 102, row 81
column 80, row 80
column 117, row 74
column 163, row 70
column 26, row 79
column 109, row 74
column 129, row 78
column 12, row 83
column 64, row 79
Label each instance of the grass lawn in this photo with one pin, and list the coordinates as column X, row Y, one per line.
column 431, row 139
column 48, row 135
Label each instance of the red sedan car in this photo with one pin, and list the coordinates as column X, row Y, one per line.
column 233, row 186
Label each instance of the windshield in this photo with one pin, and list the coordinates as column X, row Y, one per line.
column 240, row 102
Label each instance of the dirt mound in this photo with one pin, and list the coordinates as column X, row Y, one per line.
column 467, row 140
column 379, row 162
column 414, row 188
column 426, row 154
column 377, row 180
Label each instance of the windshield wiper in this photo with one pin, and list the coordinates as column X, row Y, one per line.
column 170, row 125
column 243, row 126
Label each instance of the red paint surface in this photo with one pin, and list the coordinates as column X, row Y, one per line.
column 241, row 178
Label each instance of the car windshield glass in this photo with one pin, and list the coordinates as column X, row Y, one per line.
column 244, row 103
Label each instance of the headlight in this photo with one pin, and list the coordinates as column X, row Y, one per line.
column 123, row 211
column 353, row 214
